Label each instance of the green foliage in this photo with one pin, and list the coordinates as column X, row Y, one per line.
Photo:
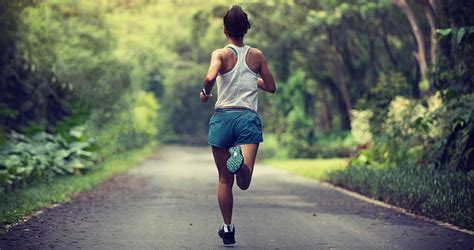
column 73, row 122
column 427, row 132
column 270, row 149
column 453, row 73
column 21, row 202
column 361, row 126
column 455, row 121
column 146, row 114
column 298, row 135
column 25, row 160
column 296, row 131
column 406, row 133
column 72, row 72
column 388, row 86
column 333, row 145
column 318, row 169
column 132, row 123
column 458, row 33
column 185, row 118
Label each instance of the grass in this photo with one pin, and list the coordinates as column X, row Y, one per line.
column 269, row 149
column 312, row 168
column 327, row 146
column 442, row 195
column 24, row 201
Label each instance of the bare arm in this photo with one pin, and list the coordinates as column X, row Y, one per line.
column 266, row 83
column 211, row 75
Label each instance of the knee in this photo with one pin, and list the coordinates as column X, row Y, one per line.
column 225, row 180
column 244, row 186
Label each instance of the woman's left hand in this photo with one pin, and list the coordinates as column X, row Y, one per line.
column 204, row 98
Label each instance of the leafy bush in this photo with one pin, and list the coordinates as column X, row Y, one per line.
column 270, row 149
column 333, row 145
column 414, row 160
column 408, row 130
column 131, row 124
column 361, row 126
column 25, row 160
column 184, row 118
column 145, row 118
column 388, row 87
column 454, row 123
column 298, row 134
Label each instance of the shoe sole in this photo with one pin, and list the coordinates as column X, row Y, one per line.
column 223, row 243
column 236, row 160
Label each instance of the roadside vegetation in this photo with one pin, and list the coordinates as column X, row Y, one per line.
column 32, row 198
column 318, row 169
column 73, row 109
column 352, row 88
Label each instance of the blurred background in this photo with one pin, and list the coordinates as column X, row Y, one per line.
column 388, row 84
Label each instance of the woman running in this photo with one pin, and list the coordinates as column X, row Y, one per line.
column 235, row 130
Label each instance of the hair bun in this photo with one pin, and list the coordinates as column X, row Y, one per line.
column 236, row 22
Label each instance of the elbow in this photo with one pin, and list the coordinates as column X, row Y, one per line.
column 272, row 90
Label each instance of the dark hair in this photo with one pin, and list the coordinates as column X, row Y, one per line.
column 236, row 22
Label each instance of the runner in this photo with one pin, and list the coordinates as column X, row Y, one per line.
column 235, row 130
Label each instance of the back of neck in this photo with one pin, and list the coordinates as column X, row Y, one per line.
column 238, row 43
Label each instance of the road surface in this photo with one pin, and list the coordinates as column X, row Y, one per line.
column 169, row 202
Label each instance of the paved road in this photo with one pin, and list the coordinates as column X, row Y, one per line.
column 169, row 202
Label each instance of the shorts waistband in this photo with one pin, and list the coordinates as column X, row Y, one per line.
column 242, row 109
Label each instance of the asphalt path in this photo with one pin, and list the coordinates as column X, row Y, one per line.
column 169, row 201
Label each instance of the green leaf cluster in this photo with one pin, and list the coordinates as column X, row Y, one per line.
column 41, row 157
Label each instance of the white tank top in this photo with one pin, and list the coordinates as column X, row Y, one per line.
column 238, row 87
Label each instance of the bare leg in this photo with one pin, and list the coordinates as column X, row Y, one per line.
column 226, row 181
column 244, row 176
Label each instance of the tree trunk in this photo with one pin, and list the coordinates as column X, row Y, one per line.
column 420, row 40
column 326, row 115
column 386, row 45
column 430, row 12
column 340, row 79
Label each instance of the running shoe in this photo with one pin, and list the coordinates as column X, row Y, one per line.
column 236, row 159
column 227, row 233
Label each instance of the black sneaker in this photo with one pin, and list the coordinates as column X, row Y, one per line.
column 227, row 235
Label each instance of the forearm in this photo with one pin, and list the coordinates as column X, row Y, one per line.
column 263, row 86
column 208, row 84
column 212, row 72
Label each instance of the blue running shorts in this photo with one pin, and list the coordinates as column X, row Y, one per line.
column 234, row 126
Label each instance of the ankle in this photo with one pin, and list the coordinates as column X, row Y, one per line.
column 228, row 227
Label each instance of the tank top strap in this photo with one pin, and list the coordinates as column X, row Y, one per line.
column 240, row 52
column 245, row 51
column 234, row 51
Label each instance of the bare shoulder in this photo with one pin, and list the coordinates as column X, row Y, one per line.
column 217, row 52
column 257, row 55
column 256, row 52
column 222, row 53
